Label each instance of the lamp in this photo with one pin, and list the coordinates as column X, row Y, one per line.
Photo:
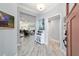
column 40, row 7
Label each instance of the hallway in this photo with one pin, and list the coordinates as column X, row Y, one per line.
column 31, row 48
column 33, row 23
column 47, row 32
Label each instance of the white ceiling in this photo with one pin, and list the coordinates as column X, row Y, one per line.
column 32, row 7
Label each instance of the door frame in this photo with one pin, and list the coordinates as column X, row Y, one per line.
column 61, row 33
column 67, row 15
column 21, row 9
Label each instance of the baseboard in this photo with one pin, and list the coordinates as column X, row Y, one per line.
column 63, row 52
column 16, row 54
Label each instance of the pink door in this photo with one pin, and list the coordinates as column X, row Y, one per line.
column 73, row 32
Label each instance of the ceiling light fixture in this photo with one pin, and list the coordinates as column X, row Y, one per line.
column 40, row 7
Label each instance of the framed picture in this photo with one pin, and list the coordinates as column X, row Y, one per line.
column 6, row 20
column 41, row 24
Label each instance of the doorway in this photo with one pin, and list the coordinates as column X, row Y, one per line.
column 55, row 34
column 27, row 25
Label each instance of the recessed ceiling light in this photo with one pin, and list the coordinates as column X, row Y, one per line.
column 40, row 7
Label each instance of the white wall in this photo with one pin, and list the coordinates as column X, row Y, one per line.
column 54, row 28
column 61, row 10
column 8, row 37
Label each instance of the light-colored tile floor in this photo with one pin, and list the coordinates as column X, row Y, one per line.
column 30, row 48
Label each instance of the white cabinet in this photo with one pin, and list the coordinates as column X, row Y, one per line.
column 40, row 37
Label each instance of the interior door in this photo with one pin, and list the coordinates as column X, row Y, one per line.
column 73, row 32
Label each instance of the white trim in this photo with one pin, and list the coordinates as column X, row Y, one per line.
column 63, row 51
column 27, row 10
column 62, row 36
column 54, row 15
column 61, row 31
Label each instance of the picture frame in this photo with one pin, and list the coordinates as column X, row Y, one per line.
column 6, row 20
